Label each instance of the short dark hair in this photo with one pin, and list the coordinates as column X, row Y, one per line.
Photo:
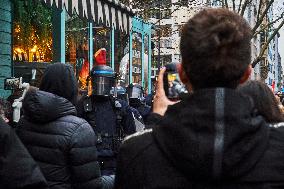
column 264, row 100
column 215, row 48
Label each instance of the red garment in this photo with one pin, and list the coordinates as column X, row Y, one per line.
column 85, row 70
column 84, row 73
column 273, row 86
column 100, row 57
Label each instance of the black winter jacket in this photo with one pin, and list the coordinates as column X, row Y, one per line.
column 62, row 144
column 18, row 170
column 211, row 139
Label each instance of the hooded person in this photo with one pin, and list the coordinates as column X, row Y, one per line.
column 214, row 137
column 63, row 145
column 59, row 79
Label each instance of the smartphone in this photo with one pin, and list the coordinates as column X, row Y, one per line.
column 172, row 82
column 12, row 83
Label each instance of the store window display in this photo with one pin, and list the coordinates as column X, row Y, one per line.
column 32, row 33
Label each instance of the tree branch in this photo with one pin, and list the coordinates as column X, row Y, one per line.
column 223, row 4
column 259, row 31
column 240, row 5
column 267, row 26
column 170, row 14
column 226, row 4
column 244, row 6
column 265, row 46
column 146, row 7
column 234, row 6
column 259, row 9
column 264, row 14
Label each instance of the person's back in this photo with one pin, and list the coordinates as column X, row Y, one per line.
column 18, row 170
column 183, row 152
column 62, row 144
column 213, row 138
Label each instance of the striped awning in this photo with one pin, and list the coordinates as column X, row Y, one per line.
column 101, row 12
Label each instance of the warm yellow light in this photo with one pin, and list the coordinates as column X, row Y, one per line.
column 17, row 29
column 18, row 50
column 34, row 49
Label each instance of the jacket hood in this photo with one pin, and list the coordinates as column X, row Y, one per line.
column 59, row 79
column 43, row 107
column 213, row 134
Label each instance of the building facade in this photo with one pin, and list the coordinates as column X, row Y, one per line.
column 274, row 76
column 273, row 66
column 174, row 14
column 5, row 44
column 168, row 18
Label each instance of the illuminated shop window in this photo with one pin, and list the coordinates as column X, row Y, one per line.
column 32, row 33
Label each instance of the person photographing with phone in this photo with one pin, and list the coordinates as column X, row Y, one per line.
column 173, row 86
column 166, row 95
column 214, row 137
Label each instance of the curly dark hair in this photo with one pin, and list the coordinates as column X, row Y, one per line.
column 215, row 48
column 264, row 100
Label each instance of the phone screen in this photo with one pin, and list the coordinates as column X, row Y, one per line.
column 172, row 85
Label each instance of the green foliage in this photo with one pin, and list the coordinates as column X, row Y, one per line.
column 76, row 28
column 32, row 16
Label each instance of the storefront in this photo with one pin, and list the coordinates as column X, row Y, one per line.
column 69, row 32
column 140, row 55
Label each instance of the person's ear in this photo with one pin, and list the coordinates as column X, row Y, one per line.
column 246, row 75
column 182, row 75
column 184, row 78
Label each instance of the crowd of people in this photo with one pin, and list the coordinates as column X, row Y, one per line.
column 227, row 132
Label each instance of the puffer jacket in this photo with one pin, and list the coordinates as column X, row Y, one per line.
column 63, row 145
column 213, row 139
column 18, row 170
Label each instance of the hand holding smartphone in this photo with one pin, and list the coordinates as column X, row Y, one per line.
column 161, row 101
column 172, row 83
